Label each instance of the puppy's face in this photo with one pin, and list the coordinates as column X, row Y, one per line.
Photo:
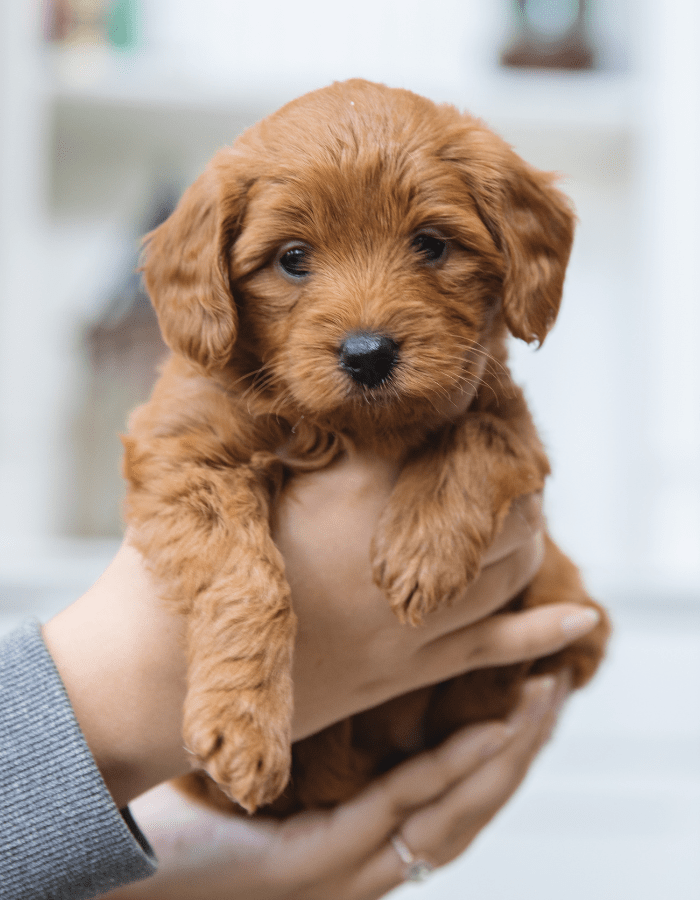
column 367, row 283
column 353, row 255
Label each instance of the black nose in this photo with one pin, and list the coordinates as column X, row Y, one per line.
column 368, row 358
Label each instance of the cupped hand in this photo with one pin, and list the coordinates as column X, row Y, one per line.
column 351, row 652
column 436, row 803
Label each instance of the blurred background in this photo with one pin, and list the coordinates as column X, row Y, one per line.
column 108, row 109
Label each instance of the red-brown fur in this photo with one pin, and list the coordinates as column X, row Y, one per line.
column 253, row 391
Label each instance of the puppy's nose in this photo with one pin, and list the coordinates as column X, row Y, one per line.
column 368, row 358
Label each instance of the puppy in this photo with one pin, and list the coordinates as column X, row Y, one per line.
column 345, row 274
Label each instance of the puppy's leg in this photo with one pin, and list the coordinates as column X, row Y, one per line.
column 239, row 641
column 446, row 508
column 205, row 532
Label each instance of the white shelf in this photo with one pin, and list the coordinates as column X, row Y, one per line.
column 583, row 125
column 597, row 100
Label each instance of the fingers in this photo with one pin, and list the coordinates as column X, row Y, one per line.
column 436, row 802
column 504, row 639
column 443, row 830
column 439, row 830
column 369, row 820
column 331, row 848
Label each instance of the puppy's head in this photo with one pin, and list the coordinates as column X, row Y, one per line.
column 354, row 253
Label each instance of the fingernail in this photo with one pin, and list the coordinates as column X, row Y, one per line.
column 581, row 622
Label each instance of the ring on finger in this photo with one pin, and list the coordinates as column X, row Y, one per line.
column 416, row 869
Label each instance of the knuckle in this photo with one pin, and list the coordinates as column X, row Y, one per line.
column 525, row 562
column 530, row 508
column 477, row 654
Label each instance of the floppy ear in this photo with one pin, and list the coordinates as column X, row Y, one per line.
column 532, row 224
column 186, row 270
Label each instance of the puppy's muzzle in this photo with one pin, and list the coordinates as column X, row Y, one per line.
column 368, row 358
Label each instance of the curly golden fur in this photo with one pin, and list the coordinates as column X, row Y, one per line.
column 346, row 273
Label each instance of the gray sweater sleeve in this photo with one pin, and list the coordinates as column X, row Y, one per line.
column 61, row 836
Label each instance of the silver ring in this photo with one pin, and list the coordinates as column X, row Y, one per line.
column 416, row 869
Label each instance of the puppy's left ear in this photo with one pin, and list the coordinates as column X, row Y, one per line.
column 532, row 224
column 185, row 266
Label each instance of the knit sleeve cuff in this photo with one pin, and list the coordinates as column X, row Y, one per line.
column 61, row 835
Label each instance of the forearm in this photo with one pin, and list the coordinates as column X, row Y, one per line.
column 113, row 650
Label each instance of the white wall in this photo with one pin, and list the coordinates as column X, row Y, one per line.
column 671, row 267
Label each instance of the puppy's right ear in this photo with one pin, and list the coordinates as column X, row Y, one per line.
column 185, row 267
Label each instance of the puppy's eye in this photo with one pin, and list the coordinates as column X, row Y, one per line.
column 430, row 246
column 294, row 262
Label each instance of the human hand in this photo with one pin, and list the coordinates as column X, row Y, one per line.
column 120, row 652
column 437, row 803
column 351, row 652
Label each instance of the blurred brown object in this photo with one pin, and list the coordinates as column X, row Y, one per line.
column 74, row 21
column 57, row 20
column 550, row 34
column 124, row 349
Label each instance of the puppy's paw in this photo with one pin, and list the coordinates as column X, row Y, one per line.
column 421, row 568
column 248, row 758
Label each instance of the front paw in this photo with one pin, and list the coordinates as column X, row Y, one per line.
column 424, row 564
column 247, row 755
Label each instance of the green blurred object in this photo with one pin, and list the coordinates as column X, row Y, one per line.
column 122, row 30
